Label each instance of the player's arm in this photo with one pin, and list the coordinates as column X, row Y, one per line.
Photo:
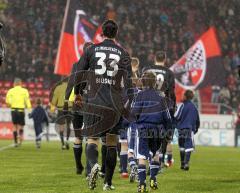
column 8, row 98
column 32, row 114
column 80, row 75
column 197, row 122
column 54, row 100
column 45, row 119
column 27, row 100
column 126, row 62
column 137, row 107
column 167, row 118
column 178, row 112
column 172, row 89
column 71, row 82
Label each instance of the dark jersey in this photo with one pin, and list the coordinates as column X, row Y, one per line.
column 165, row 81
column 106, row 67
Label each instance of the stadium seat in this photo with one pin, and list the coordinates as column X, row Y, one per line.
column 39, row 85
column 7, row 84
column 31, row 85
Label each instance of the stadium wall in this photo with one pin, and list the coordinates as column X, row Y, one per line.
column 215, row 130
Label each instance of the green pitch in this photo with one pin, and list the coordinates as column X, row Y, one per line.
column 51, row 170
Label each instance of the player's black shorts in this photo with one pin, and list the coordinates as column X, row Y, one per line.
column 18, row 117
column 99, row 131
column 63, row 118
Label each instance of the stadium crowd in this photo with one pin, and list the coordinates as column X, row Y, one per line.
column 33, row 30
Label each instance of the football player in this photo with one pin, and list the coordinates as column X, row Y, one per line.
column 104, row 67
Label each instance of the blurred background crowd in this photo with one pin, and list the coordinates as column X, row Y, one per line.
column 32, row 31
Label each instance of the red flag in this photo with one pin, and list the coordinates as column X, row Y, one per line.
column 201, row 65
column 77, row 29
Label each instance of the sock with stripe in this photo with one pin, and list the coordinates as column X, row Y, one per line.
column 132, row 162
column 142, row 174
column 154, row 168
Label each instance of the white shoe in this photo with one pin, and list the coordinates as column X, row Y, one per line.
column 106, row 187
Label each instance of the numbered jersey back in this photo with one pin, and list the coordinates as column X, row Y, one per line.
column 109, row 64
column 165, row 77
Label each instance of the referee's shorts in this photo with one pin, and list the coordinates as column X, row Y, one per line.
column 18, row 117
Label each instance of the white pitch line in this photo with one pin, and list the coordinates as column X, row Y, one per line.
column 12, row 145
column 6, row 147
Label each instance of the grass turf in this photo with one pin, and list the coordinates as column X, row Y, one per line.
column 51, row 170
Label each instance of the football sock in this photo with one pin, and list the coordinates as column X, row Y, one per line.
column 88, row 168
column 182, row 156
column 131, row 162
column 154, row 168
column 160, row 159
column 169, row 157
column 77, row 149
column 142, row 174
column 68, row 133
column 124, row 161
column 187, row 157
column 111, row 161
column 15, row 136
column 92, row 154
column 61, row 137
column 163, row 158
column 104, row 153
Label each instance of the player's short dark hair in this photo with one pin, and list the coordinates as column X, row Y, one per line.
column 149, row 79
column 110, row 29
column 160, row 56
column 189, row 94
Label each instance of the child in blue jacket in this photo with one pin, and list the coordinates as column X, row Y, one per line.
column 152, row 117
column 188, row 122
column 39, row 117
